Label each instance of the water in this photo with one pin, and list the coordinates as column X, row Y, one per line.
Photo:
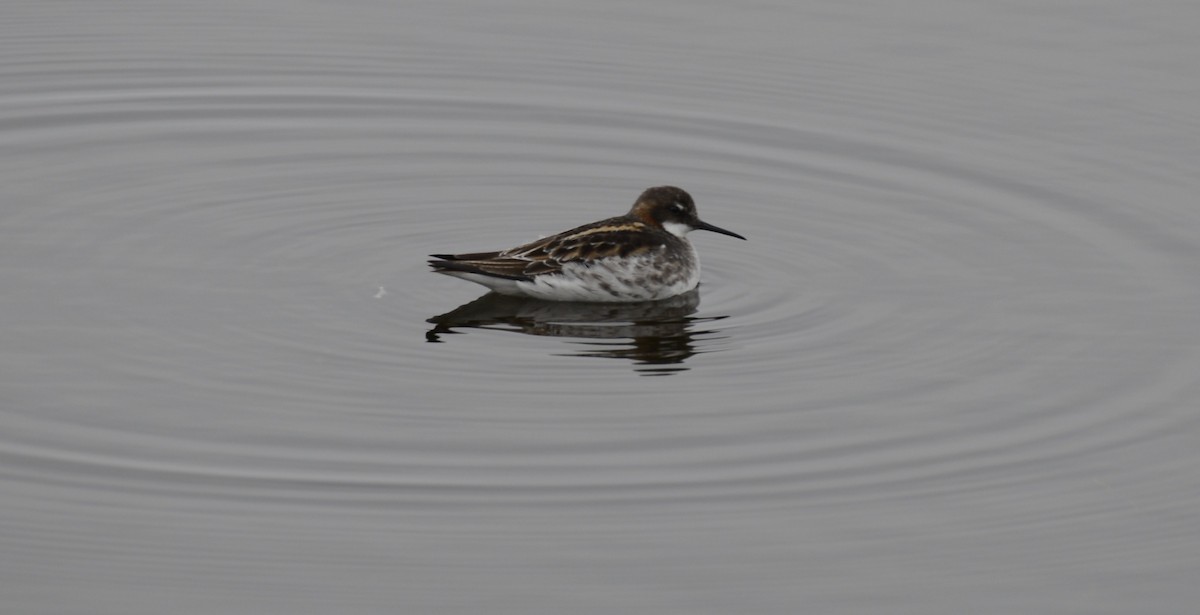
column 954, row 369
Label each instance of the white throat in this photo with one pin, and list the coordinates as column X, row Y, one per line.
column 677, row 229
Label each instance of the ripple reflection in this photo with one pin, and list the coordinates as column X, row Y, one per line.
column 657, row 336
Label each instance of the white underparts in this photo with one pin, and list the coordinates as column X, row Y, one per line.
column 648, row 277
column 503, row 286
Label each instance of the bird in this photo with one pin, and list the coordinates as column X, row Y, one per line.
column 643, row 255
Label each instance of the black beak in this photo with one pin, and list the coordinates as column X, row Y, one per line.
column 704, row 226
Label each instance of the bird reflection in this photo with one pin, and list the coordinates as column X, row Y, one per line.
column 657, row 336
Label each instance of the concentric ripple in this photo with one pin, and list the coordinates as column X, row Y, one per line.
column 965, row 327
column 282, row 282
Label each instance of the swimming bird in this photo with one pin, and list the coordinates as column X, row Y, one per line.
column 643, row 255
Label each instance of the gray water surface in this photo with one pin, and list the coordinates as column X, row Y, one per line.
column 955, row 369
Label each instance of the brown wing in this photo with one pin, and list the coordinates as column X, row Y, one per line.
column 604, row 239
column 614, row 237
column 487, row 263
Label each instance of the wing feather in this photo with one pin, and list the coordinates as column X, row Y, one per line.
column 616, row 237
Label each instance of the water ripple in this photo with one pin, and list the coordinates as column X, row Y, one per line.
column 216, row 297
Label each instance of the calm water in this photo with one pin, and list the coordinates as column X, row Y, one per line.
column 955, row 369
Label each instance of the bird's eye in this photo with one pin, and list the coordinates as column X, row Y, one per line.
column 679, row 207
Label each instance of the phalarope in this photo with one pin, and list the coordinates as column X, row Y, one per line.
column 643, row 255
